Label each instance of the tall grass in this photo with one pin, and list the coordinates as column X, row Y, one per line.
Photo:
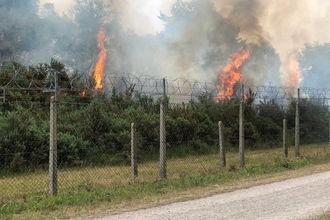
column 89, row 186
column 22, row 187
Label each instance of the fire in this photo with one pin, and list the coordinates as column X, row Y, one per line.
column 294, row 74
column 231, row 74
column 98, row 74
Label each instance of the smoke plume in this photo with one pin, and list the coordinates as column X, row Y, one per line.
column 286, row 25
column 61, row 6
column 193, row 38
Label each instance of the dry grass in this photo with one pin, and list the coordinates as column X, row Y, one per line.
column 19, row 188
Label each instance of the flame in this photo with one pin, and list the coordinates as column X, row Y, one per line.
column 231, row 74
column 98, row 74
column 294, row 74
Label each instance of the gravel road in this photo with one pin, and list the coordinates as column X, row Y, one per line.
column 299, row 198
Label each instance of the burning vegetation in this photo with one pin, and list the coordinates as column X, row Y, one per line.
column 98, row 74
column 230, row 75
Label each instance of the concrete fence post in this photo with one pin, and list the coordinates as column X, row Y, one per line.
column 221, row 145
column 53, row 148
column 329, row 130
column 162, row 136
column 297, row 132
column 241, row 135
column 162, row 142
column 134, row 167
column 285, row 138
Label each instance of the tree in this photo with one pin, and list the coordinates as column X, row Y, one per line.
column 198, row 36
column 18, row 29
column 77, row 46
column 314, row 120
column 263, row 66
column 49, row 30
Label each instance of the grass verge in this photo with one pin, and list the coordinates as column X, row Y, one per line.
column 97, row 191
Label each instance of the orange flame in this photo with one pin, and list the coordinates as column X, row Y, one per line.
column 231, row 74
column 294, row 74
column 98, row 74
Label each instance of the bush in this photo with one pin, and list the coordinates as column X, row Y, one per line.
column 24, row 139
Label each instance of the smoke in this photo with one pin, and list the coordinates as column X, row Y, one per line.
column 193, row 38
column 133, row 13
column 142, row 16
column 283, row 25
column 245, row 15
column 286, row 25
column 61, row 6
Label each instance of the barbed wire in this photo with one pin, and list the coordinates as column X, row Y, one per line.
column 128, row 83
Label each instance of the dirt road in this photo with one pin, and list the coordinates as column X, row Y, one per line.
column 299, row 198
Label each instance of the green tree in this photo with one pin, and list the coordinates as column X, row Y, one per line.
column 314, row 119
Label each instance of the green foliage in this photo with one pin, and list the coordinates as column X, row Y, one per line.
column 314, row 118
column 267, row 129
column 189, row 124
column 95, row 130
column 273, row 111
column 24, row 139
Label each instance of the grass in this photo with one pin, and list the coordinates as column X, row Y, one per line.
column 95, row 190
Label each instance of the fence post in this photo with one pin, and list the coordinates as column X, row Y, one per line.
column 222, row 148
column 162, row 136
column 53, row 148
column 4, row 94
column 297, row 132
column 329, row 130
column 285, row 138
column 241, row 135
column 134, row 168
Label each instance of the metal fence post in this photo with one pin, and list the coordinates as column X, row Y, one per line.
column 53, row 148
column 297, row 132
column 134, row 168
column 163, row 136
column 222, row 148
column 285, row 138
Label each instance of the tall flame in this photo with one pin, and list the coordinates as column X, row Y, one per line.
column 98, row 74
column 231, row 74
column 293, row 77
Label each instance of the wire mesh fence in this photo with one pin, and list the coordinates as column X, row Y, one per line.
column 177, row 136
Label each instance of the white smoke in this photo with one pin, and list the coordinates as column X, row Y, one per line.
column 61, row 6
column 285, row 25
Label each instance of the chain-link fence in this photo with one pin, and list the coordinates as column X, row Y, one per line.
column 91, row 139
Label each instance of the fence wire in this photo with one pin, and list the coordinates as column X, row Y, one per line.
column 94, row 130
column 16, row 78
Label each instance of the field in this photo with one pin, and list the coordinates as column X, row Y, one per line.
column 94, row 190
